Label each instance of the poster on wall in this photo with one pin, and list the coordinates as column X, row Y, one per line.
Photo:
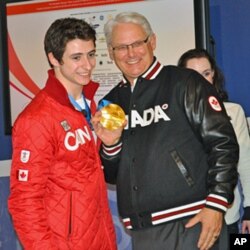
column 28, row 21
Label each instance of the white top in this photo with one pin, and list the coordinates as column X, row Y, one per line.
column 239, row 122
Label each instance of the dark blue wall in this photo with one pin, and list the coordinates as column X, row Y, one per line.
column 229, row 26
column 5, row 141
column 7, row 234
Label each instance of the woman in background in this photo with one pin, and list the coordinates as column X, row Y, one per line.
column 202, row 62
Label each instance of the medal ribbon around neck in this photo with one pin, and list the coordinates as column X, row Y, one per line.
column 86, row 111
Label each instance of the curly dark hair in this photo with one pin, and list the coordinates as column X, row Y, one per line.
column 64, row 30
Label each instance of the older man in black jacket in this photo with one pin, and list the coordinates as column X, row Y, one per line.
column 175, row 162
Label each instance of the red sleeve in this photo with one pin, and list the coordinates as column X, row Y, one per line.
column 32, row 152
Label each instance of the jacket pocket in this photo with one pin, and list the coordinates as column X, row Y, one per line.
column 70, row 216
column 179, row 163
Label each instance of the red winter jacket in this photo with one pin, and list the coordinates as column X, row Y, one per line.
column 58, row 196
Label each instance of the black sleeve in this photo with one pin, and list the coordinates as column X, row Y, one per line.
column 207, row 116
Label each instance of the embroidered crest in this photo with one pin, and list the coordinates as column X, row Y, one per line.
column 23, row 175
column 214, row 103
column 25, row 156
column 65, row 125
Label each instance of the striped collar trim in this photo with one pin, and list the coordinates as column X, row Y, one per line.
column 153, row 71
column 150, row 74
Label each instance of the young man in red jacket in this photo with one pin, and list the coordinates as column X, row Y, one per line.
column 58, row 196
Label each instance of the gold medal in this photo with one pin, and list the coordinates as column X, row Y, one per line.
column 113, row 116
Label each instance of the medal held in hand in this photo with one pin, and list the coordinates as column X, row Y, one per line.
column 113, row 116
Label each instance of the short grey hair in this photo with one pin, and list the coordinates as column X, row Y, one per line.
column 126, row 17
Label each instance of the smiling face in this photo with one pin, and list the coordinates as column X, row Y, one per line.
column 202, row 66
column 76, row 67
column 136, row 56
